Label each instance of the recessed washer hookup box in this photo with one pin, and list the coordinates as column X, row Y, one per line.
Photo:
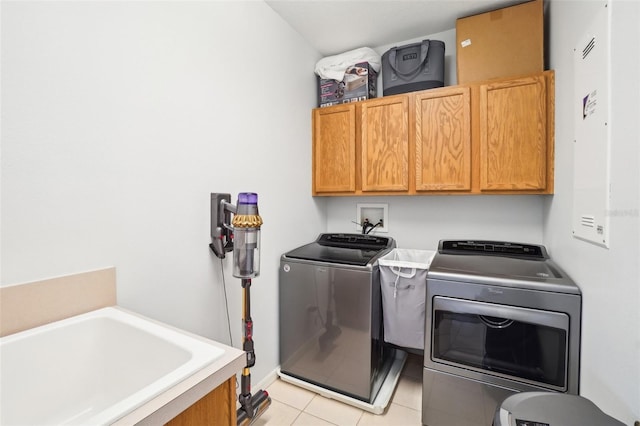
column 501, row 43
column 358, row 84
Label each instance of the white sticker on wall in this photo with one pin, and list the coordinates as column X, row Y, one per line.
column 589, row 103
column 465, row 43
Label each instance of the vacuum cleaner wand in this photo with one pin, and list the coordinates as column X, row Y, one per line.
column 251, row 406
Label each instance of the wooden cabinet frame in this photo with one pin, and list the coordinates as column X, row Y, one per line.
column 218, row 407
column 493, row 137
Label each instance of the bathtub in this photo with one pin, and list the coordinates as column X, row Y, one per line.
column 96, row 368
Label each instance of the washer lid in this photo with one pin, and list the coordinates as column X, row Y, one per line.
column 349, row 249
column 501, row 264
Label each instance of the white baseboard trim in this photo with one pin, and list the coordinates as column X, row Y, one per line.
column 268, row 380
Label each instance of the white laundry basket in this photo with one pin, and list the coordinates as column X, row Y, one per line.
column 403, row 284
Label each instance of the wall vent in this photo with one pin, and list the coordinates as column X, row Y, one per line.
column 588, row 48
column 589, row 221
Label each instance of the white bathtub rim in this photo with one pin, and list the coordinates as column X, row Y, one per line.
column 204, row 353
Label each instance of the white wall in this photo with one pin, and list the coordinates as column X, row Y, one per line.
column 419, row 222
column 609, row 278
column 119, row 119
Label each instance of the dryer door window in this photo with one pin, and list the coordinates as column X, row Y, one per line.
column 518, row 343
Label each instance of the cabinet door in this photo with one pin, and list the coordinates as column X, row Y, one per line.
column 385, row 144
column 443, row 140
column 334, row 149
column 218, row 407
column 513, row 134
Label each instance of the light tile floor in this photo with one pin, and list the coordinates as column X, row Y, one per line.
column 292, row 405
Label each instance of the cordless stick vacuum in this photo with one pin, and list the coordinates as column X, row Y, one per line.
column 243, row 237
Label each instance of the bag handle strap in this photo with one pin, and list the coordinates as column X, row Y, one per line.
column 393, row 61
column 398, row 271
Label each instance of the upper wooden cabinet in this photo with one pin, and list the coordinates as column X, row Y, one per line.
column 334, row 149
column 443, row 140
column 494, row 137
column 385, row 144
column 513, row 135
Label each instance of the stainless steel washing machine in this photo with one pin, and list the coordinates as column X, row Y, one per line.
column 331, row 314
column 501, row 318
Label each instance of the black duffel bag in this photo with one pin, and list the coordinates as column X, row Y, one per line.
column 417, row 66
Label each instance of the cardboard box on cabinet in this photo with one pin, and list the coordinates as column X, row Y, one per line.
column 501, row 43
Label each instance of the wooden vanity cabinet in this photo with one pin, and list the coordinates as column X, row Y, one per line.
column 218, row 407
column 494, row 137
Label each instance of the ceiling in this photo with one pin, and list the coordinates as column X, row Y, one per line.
column 336, row 26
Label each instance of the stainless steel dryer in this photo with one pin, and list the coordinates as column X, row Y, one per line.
column 331, row 314
column 501, row 318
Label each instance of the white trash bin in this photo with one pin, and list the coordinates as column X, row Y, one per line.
column 403, row 284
